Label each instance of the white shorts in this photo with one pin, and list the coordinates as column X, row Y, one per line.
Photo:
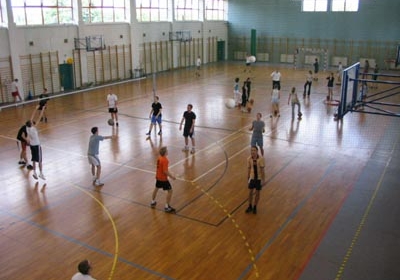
column 275, row 100
column 94, row 160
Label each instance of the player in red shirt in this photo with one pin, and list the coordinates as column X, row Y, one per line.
column 162, row 174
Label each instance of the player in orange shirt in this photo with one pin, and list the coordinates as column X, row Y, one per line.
column 162, row 174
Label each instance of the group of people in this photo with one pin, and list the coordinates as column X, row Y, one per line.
column 242, row 99
column 28, row 135
column 162, row 172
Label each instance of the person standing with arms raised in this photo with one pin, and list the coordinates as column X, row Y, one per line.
column 155, row 116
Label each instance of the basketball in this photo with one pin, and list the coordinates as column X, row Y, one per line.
column 252, row 59
column 230, row 103
column 110, row 122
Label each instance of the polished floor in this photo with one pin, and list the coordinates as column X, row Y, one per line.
column 329, row 209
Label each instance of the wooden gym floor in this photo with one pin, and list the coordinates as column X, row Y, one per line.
column 329, row 209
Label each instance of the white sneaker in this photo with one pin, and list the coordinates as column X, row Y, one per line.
column 185, row 149
column 34, row 175
column 98, row 183
column 193, row 151
column 41, row 176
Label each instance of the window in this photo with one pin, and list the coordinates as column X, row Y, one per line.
column 105, row 11
column 42, row 12
column 188, row 10
column 345, row 5
column 153, row 10
column 216, row 9
column 315, row 5
column 3, row 13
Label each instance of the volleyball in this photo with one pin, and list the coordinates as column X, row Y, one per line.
column 252, row 59
column 230, row 103
column 110, row 122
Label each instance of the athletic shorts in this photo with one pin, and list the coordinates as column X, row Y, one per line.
column 165, row 185
column 113, row 110
column 15, row 93
column 275, row 100
column 155, row 119
column 186, row 133
column 36, row 153
column 255, row 184
column 94, row 160
column 257, row 141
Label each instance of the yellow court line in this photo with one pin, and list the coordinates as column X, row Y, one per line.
column 241, row 233
column 362, row 222
column 110, row 277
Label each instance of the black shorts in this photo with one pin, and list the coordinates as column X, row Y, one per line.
column 36, row 153
column 255, row 184
column 187, row 133
column 165, row 185
column 113, row 110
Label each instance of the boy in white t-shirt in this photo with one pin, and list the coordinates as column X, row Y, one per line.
column 112, row 102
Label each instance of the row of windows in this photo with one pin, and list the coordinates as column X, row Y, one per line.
column 335, row 5
column 42, row 12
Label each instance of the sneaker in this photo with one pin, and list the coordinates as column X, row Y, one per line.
column 169, row 209
column 117, row 124
column 21, row 162
column 34, row 175
column 153, row 204
column 185, row 149
column 41, row 176
column 160, row 132
column 98, row 183
column 249, row 209
column 30, row 167
column 148, row 133
column 192, row 151
column 255, row 210
column 299, row 114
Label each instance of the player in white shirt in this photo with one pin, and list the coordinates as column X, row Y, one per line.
column 276, row 79
column 15, row 90
column 112, row 102
column 34, row 142
column 198, row 65
column 84, row 269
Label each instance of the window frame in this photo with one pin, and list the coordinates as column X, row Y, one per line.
column 189, row 10
column 29, row 13
column 155, row 11
column 315, row 6
column 216, row 8
column 105, row 11
column 348, row 5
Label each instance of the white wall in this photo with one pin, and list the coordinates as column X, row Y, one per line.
column 60, row 38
